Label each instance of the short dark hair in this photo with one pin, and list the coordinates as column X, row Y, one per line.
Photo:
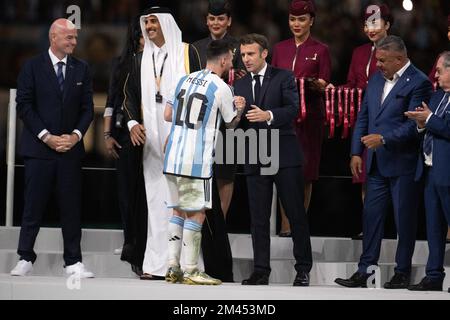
column 255, row 38
column 217, row 48
column 393, row 43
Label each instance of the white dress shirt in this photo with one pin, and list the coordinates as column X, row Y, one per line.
column 261, row 74
column 389, row 84
column 54, row 59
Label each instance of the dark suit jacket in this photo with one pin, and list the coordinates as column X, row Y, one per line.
column 279, row 95
column 202, row 45
column 41, row 104
column 440, row 129
column 399, row 155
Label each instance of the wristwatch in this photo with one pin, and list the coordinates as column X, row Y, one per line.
column 382, row 140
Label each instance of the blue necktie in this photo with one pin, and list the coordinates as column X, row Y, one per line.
column 60, row 75
column 428, row 139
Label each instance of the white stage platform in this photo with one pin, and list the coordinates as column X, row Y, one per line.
column 333, row 257
column 36, row 287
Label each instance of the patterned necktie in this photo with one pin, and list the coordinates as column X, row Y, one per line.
column 257, row 88
column 60, row 75
column 428, row 139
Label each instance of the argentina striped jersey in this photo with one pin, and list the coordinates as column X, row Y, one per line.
column 200, row 102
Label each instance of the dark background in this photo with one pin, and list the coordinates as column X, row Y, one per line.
column 336, row 206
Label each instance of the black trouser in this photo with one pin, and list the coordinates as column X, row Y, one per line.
column 290, row 189
column 215, row 243
column 42, row 178
column 132, row 201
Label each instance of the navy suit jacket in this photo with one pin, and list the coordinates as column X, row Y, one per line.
column 399, row 155
column 41, row 104
column 440, row 129
column 279, row 94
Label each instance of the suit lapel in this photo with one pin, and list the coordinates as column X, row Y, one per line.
column 265, row 84
column 378, row 92
column 68, row 80
column 50, row 72
column 401, row 83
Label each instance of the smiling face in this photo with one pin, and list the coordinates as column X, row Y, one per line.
column 154, row 31
column 376, row 30
column 63, row 38
column 218, row 25
column 300, row 25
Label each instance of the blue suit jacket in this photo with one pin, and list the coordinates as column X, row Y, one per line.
column 41, row 104
column 279, row 94
column 399, row 155
column 440, row 129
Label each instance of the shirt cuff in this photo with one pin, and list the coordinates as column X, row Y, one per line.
column 42, row 133
column 271, row 118
column 108, row 112
column 428, row 118
column 79, row 134
column 131, row 124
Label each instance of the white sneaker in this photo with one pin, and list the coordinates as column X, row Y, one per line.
column 118, row 251
column 80, row 270
column 22, row 268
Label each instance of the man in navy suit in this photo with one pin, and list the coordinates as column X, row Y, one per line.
column 392, row 142
column 272, row 106
column 54, row 101
column 433, row 123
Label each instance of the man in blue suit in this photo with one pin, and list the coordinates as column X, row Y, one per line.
column 433, row 123
column 272, row 106
column 54, row 101
column 392, row 142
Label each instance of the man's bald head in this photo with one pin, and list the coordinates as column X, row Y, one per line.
column 63, row 37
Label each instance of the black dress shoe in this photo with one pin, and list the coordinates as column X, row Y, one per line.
column 427, row 284
column 256, row 279
column 301, row 279
column 398, row 281
column 357, row 280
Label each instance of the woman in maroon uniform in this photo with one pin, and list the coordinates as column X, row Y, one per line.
column 377, row 23
column 308, row 59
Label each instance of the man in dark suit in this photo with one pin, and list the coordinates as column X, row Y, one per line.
column 272, row 106
column 433, row 123
column 54, row 101
column 392, row 143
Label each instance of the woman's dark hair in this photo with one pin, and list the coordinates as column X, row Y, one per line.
column 131, row 48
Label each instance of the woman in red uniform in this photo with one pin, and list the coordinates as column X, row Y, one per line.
column 309, row 59
column 377, row 22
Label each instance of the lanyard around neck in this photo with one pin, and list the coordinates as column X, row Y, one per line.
column 158, row 79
